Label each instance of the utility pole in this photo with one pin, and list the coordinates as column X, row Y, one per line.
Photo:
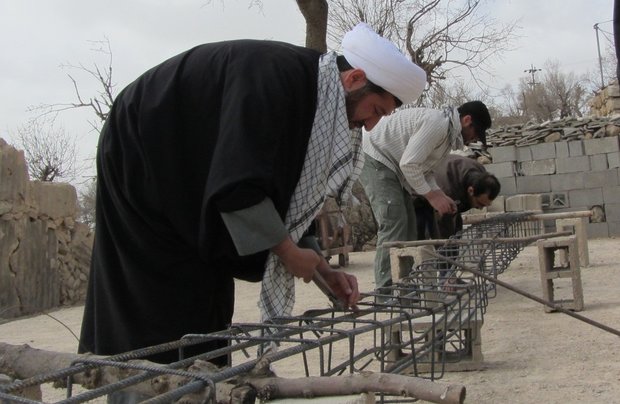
column 531, row 71
column 600, row 60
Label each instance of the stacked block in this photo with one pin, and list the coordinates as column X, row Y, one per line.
column 572, row 175
column 552, row 269
column 468, row 356
column 579, row 227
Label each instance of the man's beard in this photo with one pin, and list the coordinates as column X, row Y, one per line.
column 352, row 100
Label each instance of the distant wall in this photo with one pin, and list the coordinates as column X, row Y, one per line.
column 44, row 252
column 579, row 173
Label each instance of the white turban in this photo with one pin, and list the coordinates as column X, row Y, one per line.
column 383, row 63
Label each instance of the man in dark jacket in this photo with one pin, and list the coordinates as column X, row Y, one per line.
column 211, row 166
column 464, row 180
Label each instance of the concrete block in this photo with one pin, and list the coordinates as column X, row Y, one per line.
column 540, row 167
column 543, row 151
column 572, row 164
column 567, row 182
column 585, row 197
column 578, row 226
column 613, row 160
column 611, row 194
column 533, row 184
column 503, row 154
column 561, row 149
column 524, row 153
column 601, row 146
column 508, row 185
column 575, row 148
column 596, row 179
column 549, row 271
column 498, row 204
column 598, row 162
column 470, row 358
column 524, row 202
column 401, row 260
column 501, row 170
column 598, row 230
column 558, row 200
column 612, row 212
column 613, row 229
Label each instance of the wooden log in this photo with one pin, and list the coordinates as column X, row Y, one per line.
column 25, row 362
column 393, row 384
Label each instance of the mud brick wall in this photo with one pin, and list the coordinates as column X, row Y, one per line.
column 44, row 251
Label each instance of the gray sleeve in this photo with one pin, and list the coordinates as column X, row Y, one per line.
column 256, row 228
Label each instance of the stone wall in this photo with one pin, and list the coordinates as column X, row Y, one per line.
column 606, row 102
column 44, row 251
column 574, row 164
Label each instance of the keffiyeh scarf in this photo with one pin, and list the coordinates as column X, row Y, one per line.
column 454, row 128
column 333, row 161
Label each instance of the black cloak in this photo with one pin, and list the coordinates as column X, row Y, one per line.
column 215, row 129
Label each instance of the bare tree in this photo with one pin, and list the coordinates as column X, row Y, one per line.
column 101, row 103
column 511, row 109
column 556, row 95
column 439, row 35
column 87, row 202
column 50, row 152
column 43, row 148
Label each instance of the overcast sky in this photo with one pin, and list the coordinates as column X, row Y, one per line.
column 38, row 36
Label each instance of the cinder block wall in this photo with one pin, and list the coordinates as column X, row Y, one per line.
column 570, row 176
column 44, row 251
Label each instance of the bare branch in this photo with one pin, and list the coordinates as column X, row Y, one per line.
column 441, row 36
column 101, row 103
column 50, row 152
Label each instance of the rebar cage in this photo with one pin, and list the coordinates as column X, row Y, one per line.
column 415, row 326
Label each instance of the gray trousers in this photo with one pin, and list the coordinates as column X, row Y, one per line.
column 393, row 209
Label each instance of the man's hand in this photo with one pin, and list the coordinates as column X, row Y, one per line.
column 342, row 284
column 441, row 202
column 301, row 262
column 304, row 262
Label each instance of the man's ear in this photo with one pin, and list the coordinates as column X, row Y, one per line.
column 470, row 189
column 353, row 79
column 466, row 120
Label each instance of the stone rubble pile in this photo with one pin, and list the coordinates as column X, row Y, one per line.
column 607, row 101
column 566, row 129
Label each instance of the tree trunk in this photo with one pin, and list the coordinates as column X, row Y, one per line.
column 315, row 14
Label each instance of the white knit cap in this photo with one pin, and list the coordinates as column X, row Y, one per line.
column 383, row 63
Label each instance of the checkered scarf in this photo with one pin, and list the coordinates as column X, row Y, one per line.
column 333, row 162
column 454, row 128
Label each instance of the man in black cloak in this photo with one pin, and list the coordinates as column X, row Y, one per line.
column 211, row 166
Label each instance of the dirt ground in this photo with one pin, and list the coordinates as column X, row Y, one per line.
column 530, row 356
